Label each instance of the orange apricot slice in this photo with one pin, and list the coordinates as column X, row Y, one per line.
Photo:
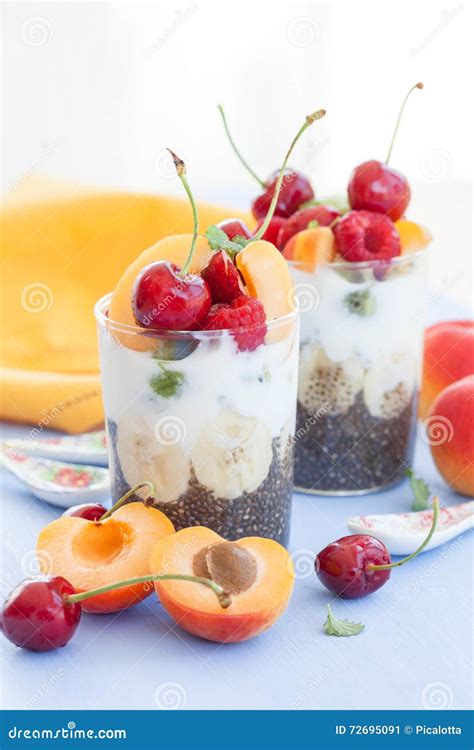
column 267, row 277
column 311, row 247
column 90, row 555
column 174, row 248
column 413, row 236
column 261, row 567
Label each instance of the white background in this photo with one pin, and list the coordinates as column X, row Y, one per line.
column 95, row 91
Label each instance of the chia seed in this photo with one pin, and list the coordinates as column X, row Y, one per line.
column 355, row 451
column 264, row 512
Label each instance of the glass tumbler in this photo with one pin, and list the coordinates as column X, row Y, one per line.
column 209, row 424
column 360, row 363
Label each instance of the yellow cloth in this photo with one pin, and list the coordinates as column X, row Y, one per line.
column 62, row 249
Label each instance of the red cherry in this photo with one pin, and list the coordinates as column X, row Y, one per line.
column 324, row 215
column 164, row 300
column 295, row 190
column 235, row 228
column 342, row 565
column 222, row 277
column 366, row 236
column 36, row 615
column 245, row 316
column 90, row 511
column 274, row 228
column 376, row 187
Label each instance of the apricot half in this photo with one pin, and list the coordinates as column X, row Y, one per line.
column 311, row 247
column 92, row 554
column 257, row 572
column 267, row 277
column 175, row 249
column 413, row 236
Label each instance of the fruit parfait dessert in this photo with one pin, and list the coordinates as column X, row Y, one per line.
column 199, row 357
column 359, row 270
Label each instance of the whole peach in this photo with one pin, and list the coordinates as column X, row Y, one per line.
column 450, row 434
column 448, row 356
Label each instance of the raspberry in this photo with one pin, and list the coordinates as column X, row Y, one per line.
column 366, row 235
column 245, row 316
column 223, row 278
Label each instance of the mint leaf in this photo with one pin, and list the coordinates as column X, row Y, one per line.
column 218, row 240
column 334, row 626
column 421, row 491
column 167, row 383
column 361, row 303
column 339, row 202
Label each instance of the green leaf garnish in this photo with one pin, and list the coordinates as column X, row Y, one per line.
column 167, row 383
column 361, row 303
column 421, row 491
column 218, row 240
column 339, row 202
column 334, row 626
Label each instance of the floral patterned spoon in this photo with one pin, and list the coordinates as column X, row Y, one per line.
column 56, row 482
column 89, row 448
column 402, row 533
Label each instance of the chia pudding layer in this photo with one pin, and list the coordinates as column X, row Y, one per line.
column 353, row 452
column 264, row 512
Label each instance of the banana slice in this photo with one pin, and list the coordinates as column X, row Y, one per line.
column 332, row 386
column 389, row 384
column 143, row 457
column 232, row 454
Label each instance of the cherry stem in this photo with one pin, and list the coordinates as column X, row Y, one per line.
column 224, row 598
column 124, row 499
column 420, row 548
column 309, row 121
column 416, row 86
column 181, row 172
column 236, row 150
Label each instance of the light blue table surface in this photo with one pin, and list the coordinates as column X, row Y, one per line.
column 415, row 651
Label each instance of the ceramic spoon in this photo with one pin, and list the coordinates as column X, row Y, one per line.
column 402, row 533
column 89, row 448
column 56, row 482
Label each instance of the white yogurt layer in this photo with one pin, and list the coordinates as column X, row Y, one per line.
column 394, row 327
column 261, row 384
